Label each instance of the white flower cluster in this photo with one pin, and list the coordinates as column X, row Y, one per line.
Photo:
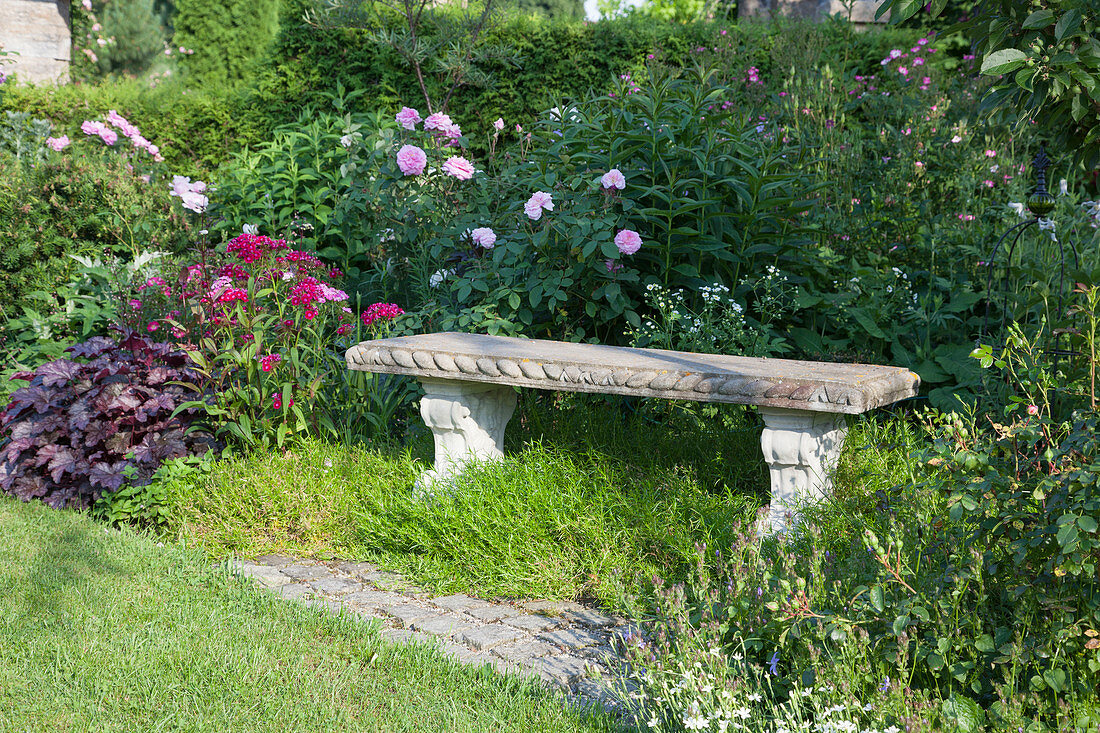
column 1092, row 211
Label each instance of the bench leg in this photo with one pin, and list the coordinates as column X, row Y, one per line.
column 467, row 420
column 801, row 448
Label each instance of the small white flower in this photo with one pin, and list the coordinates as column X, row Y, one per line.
column 1063, row 187
column 1047, row 225
column 347, row 140
column 438, row 277
column 250, row 229
column 1019, row 209
column 288, row 275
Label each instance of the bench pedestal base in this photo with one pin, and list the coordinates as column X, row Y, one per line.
column 801, row 448
column 467, row 420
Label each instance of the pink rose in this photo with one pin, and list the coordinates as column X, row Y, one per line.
column 58, row 143
column 614, row 178
column 411, row 160
column 499, row 124
column 459, row 167
column 628, row 241
column 484, row 237
column 539, row 200
column 407, row 118
column 108, row 135
column 438, row 121
column 91, row 127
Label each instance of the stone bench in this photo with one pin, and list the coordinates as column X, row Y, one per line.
column 468, row 396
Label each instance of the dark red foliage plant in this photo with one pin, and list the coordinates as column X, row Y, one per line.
column 87, row 424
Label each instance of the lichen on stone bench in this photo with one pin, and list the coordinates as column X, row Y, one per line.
column 468, row 400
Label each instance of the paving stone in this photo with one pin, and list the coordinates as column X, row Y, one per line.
column 571, row 638
column 458, row 602
column 335, row 586
column 404, row 636
column 525, row 652
column 446, row 624
column 306, row 572
column 275, row 560
column 487, row 637
column 552, row 607
column 492, row 613
column 356, row 568
column 588, row 617
column 269, row 577
column 406, row 613
column 532, row 622
column 464, row 654
column 294, row 590
column 562, row 669
column 375, row 598
column 325, row 604
column 367, row 614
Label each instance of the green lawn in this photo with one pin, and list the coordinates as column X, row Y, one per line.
column 104, row 630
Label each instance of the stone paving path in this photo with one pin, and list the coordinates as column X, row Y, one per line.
column 565, row 644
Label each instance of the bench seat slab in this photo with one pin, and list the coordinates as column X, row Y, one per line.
column 501, row 360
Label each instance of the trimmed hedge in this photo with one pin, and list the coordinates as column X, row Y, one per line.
column 227, row 36
column 196, row 129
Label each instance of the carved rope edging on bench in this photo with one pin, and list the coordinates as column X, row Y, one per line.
column 668, row 381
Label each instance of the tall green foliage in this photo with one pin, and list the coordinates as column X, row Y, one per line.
column 137, row 34
column 573, row 9
column 226, row 35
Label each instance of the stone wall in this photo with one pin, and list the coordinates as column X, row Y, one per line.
column 862, row 11
column 38, row 31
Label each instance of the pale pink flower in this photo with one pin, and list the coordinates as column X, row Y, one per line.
column 122, row 124
column 459, row 167
column 614, row 178
column 87, row 5
column 484, row 237
column 499, row 124
column 58, row 143
column 628, row 241
column 539, row 200
column 411, row 160
column 407, row 118
column 956, row 139
column 1032, row 410
column 438, row 121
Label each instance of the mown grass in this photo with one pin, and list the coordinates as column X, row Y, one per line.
column 103, row 630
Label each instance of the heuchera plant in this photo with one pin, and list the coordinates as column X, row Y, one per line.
column 90, row 423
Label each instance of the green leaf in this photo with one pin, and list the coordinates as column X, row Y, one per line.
column 877, row 599
column 1038, row 19
column 1067, row 24
column 1067, row 535
column 1003, row 61
column 1055, row 679
column 1086, row 523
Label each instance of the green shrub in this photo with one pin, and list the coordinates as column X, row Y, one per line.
column 227, row 36
column 79, row 201
column 196, row 128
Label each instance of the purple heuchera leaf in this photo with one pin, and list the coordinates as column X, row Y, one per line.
column 108, row 476
column 92, row 347
column 57, row 372
column 62, row 462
